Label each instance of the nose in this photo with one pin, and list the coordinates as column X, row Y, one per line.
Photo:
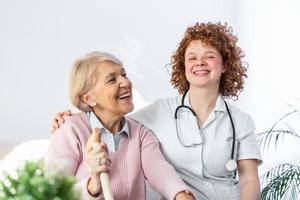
column 124, row 82
column 200, row 62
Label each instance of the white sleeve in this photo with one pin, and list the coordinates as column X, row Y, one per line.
column 148, row 115
column 248, row 147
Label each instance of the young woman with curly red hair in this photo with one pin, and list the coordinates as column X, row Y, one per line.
column 206, row 139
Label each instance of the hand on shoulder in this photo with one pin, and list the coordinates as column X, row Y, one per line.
column 59, row 120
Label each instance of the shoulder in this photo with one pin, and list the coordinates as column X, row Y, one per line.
column 238, row 113
column 168, row 103
column 156, row 109
column 138, row 130
column 73, row 124
column 242, row 120
column 80, row 117
column 135, row 126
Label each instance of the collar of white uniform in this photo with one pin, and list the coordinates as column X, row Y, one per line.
column 96, row 123
column 219, row 107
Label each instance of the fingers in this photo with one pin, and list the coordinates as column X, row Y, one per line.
column 59, row 117
column 52, row 129
column 54, row 125
column 96, row 171
column 67, row 113
column 102, row 159
column 59, row 120
column 100, row 169
column 99, row 150
column 101, row 146
column 98, row 160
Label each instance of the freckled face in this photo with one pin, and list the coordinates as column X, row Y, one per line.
column 203, row 65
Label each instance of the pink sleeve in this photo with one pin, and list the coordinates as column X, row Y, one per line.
column 64, row 152
column 84, row 194
column 159, row 173
column 65, row 155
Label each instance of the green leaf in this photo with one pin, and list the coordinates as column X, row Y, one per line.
column 32, row 183
column 280, row 182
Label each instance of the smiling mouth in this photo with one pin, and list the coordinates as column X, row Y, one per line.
column 201, row 72
column 125, row 95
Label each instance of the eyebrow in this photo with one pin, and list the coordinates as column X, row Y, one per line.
column 211, row 52
column 193, row 53
column 113, row 74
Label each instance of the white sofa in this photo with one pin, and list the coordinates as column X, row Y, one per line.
column 31, row 150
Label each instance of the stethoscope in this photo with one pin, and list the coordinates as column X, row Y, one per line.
column 231, row 164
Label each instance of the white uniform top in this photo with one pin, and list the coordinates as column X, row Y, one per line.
column 202, row 166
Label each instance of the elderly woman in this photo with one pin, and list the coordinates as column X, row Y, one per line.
column 100, row 88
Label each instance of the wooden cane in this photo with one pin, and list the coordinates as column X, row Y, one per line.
column 104, row 179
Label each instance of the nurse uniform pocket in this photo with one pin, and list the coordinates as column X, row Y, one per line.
column 216, row 159
column 227, row 192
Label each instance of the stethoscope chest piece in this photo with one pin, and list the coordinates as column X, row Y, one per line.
column 231, row 165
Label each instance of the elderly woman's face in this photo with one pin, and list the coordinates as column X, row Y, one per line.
column 113, row 91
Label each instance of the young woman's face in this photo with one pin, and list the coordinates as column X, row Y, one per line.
column 112, row 93
column 203, row 65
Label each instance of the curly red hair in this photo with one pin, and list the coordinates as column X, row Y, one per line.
column 220, row 37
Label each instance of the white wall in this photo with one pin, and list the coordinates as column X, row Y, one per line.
column 39, row 40
column 270, row 31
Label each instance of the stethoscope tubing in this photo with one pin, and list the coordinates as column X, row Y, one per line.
column 193, row 112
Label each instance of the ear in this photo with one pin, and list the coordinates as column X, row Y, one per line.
column 89, row 98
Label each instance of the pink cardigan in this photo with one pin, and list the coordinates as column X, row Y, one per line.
column 138, row 157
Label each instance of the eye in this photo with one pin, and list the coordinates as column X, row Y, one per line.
column 124, row 75
column 210, row 56
column 111, row 80
column 191, row 58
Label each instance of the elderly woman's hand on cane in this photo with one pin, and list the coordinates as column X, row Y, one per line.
column 98, row 162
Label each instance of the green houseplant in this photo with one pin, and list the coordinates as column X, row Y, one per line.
column 31, row 182
column 282, row 181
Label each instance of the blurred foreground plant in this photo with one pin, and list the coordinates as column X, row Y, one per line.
column 30, row 182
